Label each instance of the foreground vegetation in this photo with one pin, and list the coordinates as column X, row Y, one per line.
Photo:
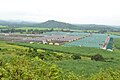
column 114, row 33
column 44, row 62
column 117, row 43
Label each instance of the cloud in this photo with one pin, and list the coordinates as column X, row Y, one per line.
column 75, row 11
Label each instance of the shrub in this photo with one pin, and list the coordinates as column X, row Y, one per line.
column 107, row 74
column 97, row 57
column 76, row 56
column 22, row 68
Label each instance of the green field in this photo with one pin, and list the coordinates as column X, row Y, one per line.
column 114, row 33
column 34, row 28
column 71, row 50
column 117, row 43
column 26, row 28
column 57, row 62
column 3, row 27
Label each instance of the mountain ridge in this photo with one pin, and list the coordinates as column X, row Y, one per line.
column 56, row 24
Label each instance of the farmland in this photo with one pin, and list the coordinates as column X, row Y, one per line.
column 30, row 53
column 66, row 61
column 93, row 41
column 114, row 33
column 117, row 43
column 81, row 67
column 64, row 38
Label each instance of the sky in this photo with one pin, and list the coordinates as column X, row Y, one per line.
column 70, row 11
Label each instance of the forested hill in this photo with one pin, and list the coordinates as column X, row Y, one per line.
column 94, row 27
column 16, row 23
column 56, row 24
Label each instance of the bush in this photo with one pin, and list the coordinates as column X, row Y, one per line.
column 97, row 57
column 107, row 74
column 76, row 56
column 22, row 68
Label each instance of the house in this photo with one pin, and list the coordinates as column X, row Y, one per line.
column 44, row 42
column 31, row 42
column 56, row 44
column 50, row 43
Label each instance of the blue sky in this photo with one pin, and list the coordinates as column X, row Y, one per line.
column 71, row 11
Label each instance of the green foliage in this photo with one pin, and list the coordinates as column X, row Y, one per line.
column 21, row 67
column 97, row 57
column 72, row 50
column 117, row 43
column 114, row 33
column 108, row 74
column 76, row 56
column 17, row 62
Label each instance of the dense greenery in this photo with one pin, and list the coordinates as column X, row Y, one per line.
column 61, row 25
column 117, row 43
column 25, row 30
column 36, row 63
column 25, row 61
column 114, row 33
column 85, row 51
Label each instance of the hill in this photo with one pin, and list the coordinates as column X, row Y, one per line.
column 57, row 24
column 16, row 23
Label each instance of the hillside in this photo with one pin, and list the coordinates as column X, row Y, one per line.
column 16, row 23
column 44, row 62
column 57, row 24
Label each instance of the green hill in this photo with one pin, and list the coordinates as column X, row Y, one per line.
column 57, row 24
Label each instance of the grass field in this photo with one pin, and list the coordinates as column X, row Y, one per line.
column 117, row 43
column 72, row 50
column 34, row 28
column 26, row 28
column 114, row 33
column 3, row 27
column 86, row 67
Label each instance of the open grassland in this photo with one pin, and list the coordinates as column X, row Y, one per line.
column 27, row 28
column 4, row 27
column 34, row 28
column 114, row 33
column 87, row 67
column 117, row 43
column 3, row 44
column 85, row 51
column 55, row 62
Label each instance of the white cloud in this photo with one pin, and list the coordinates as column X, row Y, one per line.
column 74, row 11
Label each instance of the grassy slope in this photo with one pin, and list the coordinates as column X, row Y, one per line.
column 73, row 50
column 114, row 33
column 26, row 28
column 88, row 67
column 81, row 67
column 117, row 43
column 34, row 28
